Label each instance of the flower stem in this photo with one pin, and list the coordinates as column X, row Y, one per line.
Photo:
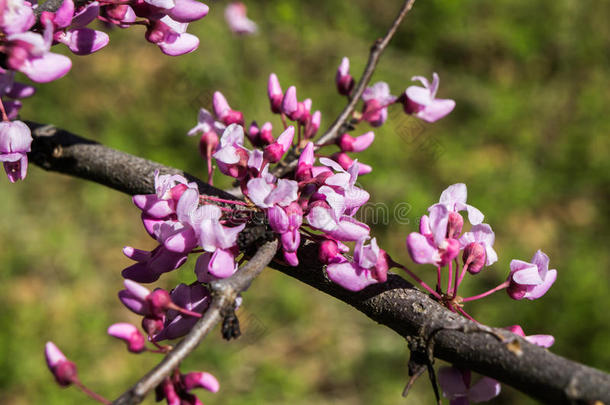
column 461, row 311
column 184, row 310
column 222, row 200
column 420, row 281
column 438, row 279
column 449, row 278
column 90, row 393
column 3, row 111
column 485, row 294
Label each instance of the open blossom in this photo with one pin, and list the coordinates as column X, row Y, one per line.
column 369, row 266
column 454, row 198
column 456, row 386
column 16, row 16
column 422, row 101
column 530, row 280
column 431, row 245
column 478, row 248
column 15, row 142
column 231, row 156
column 239, row 23
column 376, row 100
column 171, row 36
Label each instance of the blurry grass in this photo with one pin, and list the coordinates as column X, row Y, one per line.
column 529, row 136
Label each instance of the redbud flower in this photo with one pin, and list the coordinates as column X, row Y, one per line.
column 171, row 37
column 16, row 17
column 539, row 340
column 194, row 298
column 136, row 343
column 274, row 91
column 200, row 380
column 376, row 100
column 83, row 41
column 344, row 81
column 267, row 191
column 454, row 198
column 348, row 143
column 186, row 11
column 313, row 125
column 305, row 163
column 15, row 142
column 63, row 370
column 370, row 266
column 478, row 250
column 457, row 387
column 329, row 252
column 232, row 157
column 224, row 112
column 290, row 103
column 431, row 245
column 346, row 162
column 530, row 280
column 421, row 101
column 275, row 151
column 239, row 23
column 150, row 265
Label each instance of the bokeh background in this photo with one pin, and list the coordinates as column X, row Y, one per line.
column 529, row 136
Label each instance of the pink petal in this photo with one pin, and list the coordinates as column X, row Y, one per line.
column 222, row 264
column 85, row 41
column 541, row 289
column 184, row 43
column 421, row 250
column 484, row 390
column 188, row 10
column 48, row 67
column 53, row 355
column 350, row 276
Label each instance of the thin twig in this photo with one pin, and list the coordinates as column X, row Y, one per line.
column 335, row 130
column 224, row 293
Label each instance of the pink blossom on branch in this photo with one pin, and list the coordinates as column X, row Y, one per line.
column 530, row 280
column 422, row 101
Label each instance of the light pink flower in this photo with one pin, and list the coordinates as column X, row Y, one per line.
column 530, row 280
column 422, row 101
column 15, row 143
column 236, row 17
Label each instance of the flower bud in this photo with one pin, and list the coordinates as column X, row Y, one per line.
column 450, row 251
column 344, row 81
column 274, row 91
column 273, row 153
column 208, row 144
column 328, row 251
column 158, row 302
column 266, row 135
column 346, row 162
column 454, row 225
column 290, row 104
column 380, row 270
column 62, row 369
column 136, row 343
column 152, row 326
column 313, row 125
column 200, row 380
column 475, row 256
column 348, row 143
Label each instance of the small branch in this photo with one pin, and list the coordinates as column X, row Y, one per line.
column 336, row 129
column 224, row 293
column 396, row 304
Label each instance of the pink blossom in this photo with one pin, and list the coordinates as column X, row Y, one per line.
column 344, row 81
column 136, row 343
column 194, row 298
column 430, row 244
column 224, row 112
column 539, row 340
column 454, row 198
column 200, row 380
column 376, row 100
column 16, row 16
column 422, row 101
column 477, row 245
column 15, row 143
column 231, row 156
column 239, row 23
column 275, row 151
column 186, row 11
column 171, row 36
column 348, row 143
column 83, row 41
column 274, row 91
column 370, row 266
column 530, row 280
column 456, row 386
column 290, row 104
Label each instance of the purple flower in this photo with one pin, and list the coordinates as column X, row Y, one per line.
column 478, row 250
column 239, row 23
column 454, row 198
column 136, row 343
column 15, row 142
column 539, row 340
column 28, row 53
column 456, row 386
column 343, row 182
column 231, row 156
column 62, row 369
column 150, row 265
column 421, row 101
column 344, row 81
column 431, row 245
column 286, row 221
column 334, row 223
column 195, row 298
column 16, row 16
column 370, row 266
column 530, row 280
column 376, row 100
column 171, row 37
column 267, row 191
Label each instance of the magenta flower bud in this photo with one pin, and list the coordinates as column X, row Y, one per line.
column 266, row 135
column 208, row 144
column 328, row 252
column 158, row 302
column 224, row 112
column 380, row 270
column 152, row 326
column 62, row 369
column 474, row 254
column 15, row 143
column 273, row 153
column 454, row 225
column 348, row 143
column 313, row 125
column 290, row 104
column 346, row 162
column 156, row 32
column 274, row 91
column 305, row 164
column 200, row 380
column 344, row 81
column 136, row 343
column 253, row 133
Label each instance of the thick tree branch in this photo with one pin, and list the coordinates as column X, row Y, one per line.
column 395, row 304
column 339, row 125
column 224, row 293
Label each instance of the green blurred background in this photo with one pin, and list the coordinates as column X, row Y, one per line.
column 529, row 136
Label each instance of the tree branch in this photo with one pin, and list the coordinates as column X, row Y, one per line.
column 224, row 293
column 395, row 303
